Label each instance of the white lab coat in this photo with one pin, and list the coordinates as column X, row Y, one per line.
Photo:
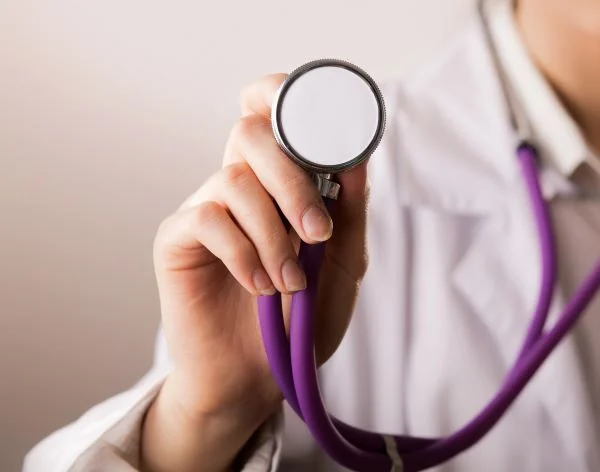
column 453, row 280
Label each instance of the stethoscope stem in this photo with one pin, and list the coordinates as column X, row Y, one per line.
column 294, row 367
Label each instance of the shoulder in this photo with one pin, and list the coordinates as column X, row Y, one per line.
column 446, row 130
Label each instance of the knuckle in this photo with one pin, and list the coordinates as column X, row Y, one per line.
column 207, row 212
column 246, row 128
column 238, row 174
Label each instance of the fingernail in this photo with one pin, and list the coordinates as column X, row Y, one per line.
column 262, row 282
column 317, row 224
column 293, row 277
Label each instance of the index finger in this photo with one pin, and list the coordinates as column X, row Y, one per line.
column 258, row 97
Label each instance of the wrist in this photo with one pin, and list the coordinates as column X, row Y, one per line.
column 196, row 402
column 182, row 436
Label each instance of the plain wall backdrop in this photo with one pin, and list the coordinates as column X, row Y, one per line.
column 111, row 113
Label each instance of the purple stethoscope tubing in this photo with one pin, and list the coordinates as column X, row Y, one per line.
column 294, row 367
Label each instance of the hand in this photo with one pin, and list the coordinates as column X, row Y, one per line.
column 227, row 244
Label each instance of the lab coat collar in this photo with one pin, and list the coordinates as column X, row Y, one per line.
column 477, row 182
column 454, row 112
column 558, row 137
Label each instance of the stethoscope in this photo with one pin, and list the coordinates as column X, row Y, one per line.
column 329, row 116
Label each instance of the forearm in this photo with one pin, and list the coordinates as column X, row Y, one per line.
column 175, row 441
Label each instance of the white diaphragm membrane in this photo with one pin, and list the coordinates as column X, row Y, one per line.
column 329, row 116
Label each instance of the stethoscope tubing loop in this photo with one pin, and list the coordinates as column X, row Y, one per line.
column 366, row 451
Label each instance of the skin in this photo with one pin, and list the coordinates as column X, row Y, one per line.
column 563, row 39
column 226, row 244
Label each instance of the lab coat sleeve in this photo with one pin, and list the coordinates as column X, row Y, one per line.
column 107, row 437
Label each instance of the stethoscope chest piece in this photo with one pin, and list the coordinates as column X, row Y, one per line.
column 328, row 116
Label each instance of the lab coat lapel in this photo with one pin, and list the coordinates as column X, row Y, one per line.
column 500, row 275
column 470, row 168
